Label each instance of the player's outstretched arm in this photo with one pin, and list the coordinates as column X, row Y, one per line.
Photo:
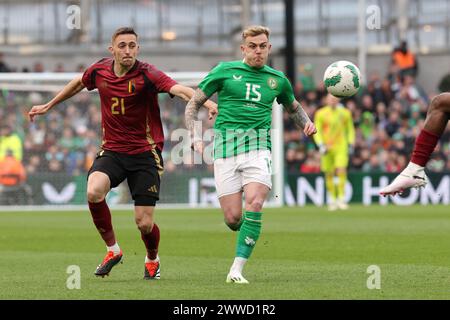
column 191, row 116
column 300, row 118
column 72, row 88
column 186, row 93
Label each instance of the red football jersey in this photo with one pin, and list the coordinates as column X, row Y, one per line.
column 131, row 121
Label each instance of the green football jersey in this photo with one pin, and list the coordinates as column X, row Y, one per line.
column 245, row 99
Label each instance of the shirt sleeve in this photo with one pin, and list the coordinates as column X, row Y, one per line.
column 213, row 81
column 286, row 96
column 88, row 78
column 161, row 81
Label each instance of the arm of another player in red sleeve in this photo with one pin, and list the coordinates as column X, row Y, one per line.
column 182, row 92
column 187, row 93
column 161, row 81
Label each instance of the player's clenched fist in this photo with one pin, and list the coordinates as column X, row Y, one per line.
column 212, row 111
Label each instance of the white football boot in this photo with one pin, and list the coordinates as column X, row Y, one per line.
column 342, row 205
column 333, row 205
column 413, row 176
column 236, row 277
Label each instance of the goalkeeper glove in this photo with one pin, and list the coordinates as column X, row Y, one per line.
column 322, row 149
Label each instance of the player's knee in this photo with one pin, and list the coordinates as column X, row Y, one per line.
column 255, row 205
column 233, row 222
column 441, row 102
column 144, row 225
column 232, row 217
column 95, row 194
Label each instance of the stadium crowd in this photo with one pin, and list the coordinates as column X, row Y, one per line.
column 388, row 114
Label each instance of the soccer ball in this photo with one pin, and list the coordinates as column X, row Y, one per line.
column 342, row 79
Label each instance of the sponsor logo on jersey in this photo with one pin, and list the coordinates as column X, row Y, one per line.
column 237, row 78
column 272, row 82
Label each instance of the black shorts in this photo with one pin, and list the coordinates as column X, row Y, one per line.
column 142, row 171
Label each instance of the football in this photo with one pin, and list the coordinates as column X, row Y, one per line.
column 342, row 79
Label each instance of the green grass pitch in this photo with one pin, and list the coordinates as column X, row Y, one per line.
column 303, row 253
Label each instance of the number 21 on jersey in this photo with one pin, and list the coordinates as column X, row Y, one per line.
column 118, row 105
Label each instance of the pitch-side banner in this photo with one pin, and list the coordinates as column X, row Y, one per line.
column 198, row 189
column 363, row 188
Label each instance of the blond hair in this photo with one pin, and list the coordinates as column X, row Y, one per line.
column 254, row 31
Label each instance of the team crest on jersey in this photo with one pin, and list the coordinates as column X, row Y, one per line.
column 272, row 83
column 131, row 86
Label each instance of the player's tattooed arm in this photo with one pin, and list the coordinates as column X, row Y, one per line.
column 191, row 117
column 192, row 108
column 300, row 118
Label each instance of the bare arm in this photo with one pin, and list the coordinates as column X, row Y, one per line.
column 182, row 92
column 300, row 118
column 186, row 93
column 71, row 89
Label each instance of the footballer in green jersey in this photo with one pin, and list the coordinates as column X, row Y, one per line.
column 245, row 96
column 242, row 160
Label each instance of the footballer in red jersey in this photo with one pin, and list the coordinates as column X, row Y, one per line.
column 132, row 140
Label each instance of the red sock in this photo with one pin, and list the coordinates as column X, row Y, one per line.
column 102, row 220
column 151, row 241
column 425, row 143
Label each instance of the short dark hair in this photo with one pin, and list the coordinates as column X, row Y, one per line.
column 123, row 30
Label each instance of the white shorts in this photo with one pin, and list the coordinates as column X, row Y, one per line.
column 233, row 173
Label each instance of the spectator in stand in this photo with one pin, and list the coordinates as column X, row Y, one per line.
column 3, row 66
column 404, row 61
column 311, row 164
column 306, row 81
column 10, row 141
column 12, row 172
column 34, row 165
column 80, row 68
column 373, row 165
column 367, row 125
column 393, row 123
column 59, row 68
column 38, row 67
column 12, row 180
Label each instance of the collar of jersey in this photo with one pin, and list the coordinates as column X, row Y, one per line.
column 136, row 63
column 252, row 68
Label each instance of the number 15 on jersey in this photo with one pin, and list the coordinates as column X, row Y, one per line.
column 252, row 89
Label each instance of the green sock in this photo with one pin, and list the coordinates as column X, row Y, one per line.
column 248, row 234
